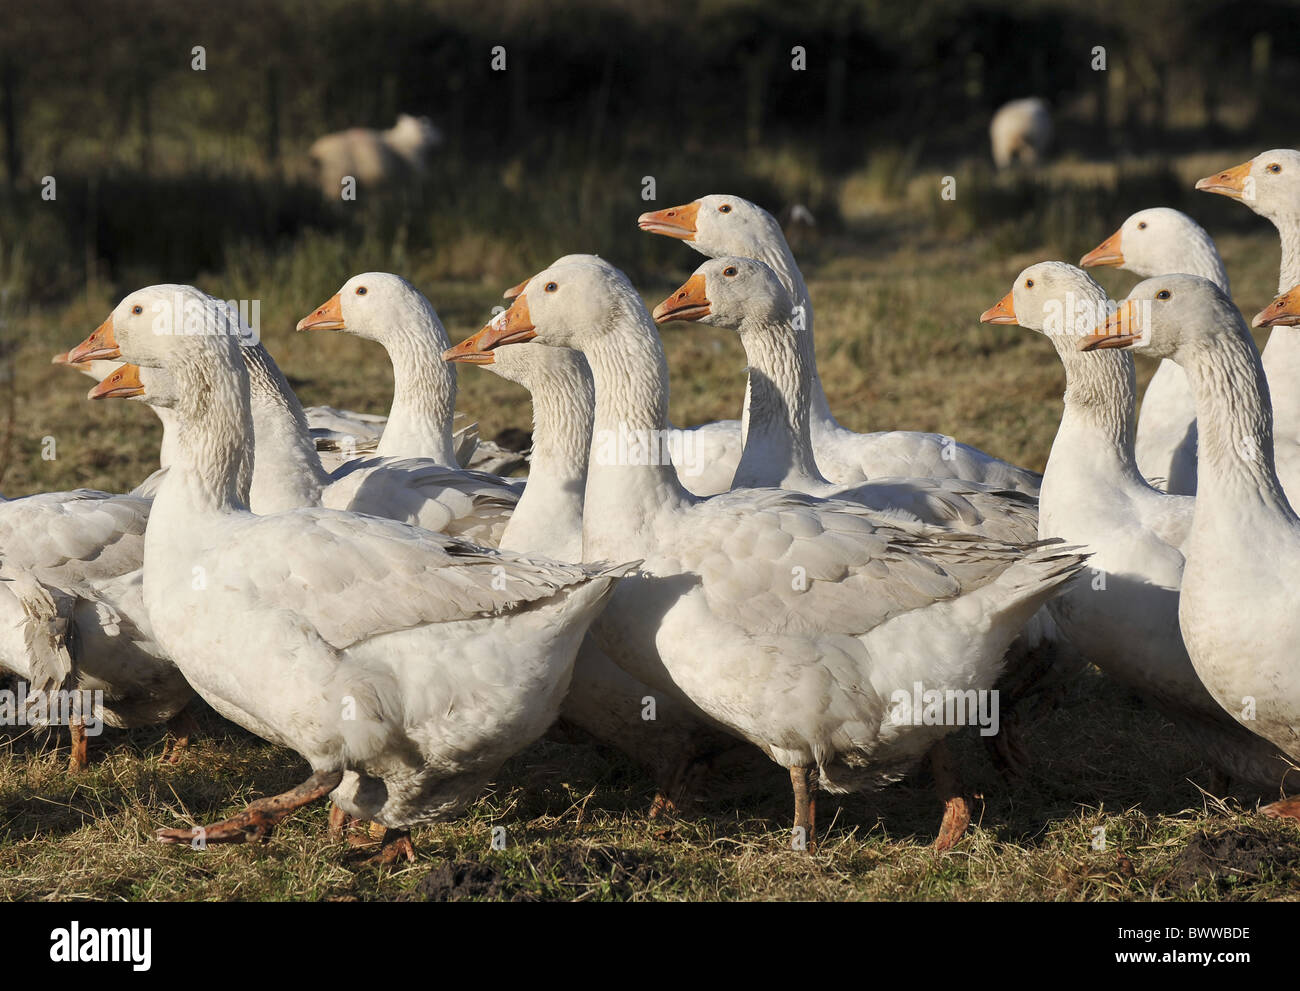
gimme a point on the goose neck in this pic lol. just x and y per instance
(778, 442)
(214, 434)
(1235, 421)
(630, 478)
(1094, 442)
(287, 471)
(548, 517)
(776, 254)
(424, 390)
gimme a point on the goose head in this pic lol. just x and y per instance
(1269, 183)
(595, 260)
(369, 305)
(717, 224)
(728, 292)
(161, 325)
(1151, 242)
(1166, 317)
(1053, 298)
(1282, 312)
(570, 305)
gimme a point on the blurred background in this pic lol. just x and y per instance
(168, 172)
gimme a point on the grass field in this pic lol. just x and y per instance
(898, 285)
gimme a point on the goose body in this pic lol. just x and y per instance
(1234, 609)
(718, 225)
(405, 666)
(790, 620)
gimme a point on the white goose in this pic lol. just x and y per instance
(1237, 607)
(718, 225)
(1270, 185)
(405, 666)
(1124, 618)
(1153, 242)
(603, 700)
(792, 621)
(385, 308)
(288, 474)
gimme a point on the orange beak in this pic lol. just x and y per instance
(512, 327)
(471, 350)
(516, 289)
(60, 359)
(1282, 312)
(100, 344)
(676, 221)
(327, 316)
(688, 303)
(1231, 182)
(1106, 253)
(1118, 331)
(122, 384)
(1003, 311)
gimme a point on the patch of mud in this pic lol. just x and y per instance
(1232, 862)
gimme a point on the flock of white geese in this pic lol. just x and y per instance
(406, 624)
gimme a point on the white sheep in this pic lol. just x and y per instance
(376, 159)
(1021, 131)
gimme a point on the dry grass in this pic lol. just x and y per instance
(898, 297)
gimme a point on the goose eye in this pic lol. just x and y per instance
(729, 271)
(1029, 283)
(137, 309)
(1142, 225)
(361, 290)
(1163, 294)
(551, 287)
(1275, 168)
(725, 208)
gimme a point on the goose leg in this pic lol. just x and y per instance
(258, 820)
(956, 807)
(181, 728)
(338, 823)
(1288, 808)
(79, 759)
(804, 784)
(396, 845)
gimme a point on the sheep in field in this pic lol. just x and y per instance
(376, 159)
(1021, 131)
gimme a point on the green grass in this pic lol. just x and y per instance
(898, 288)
